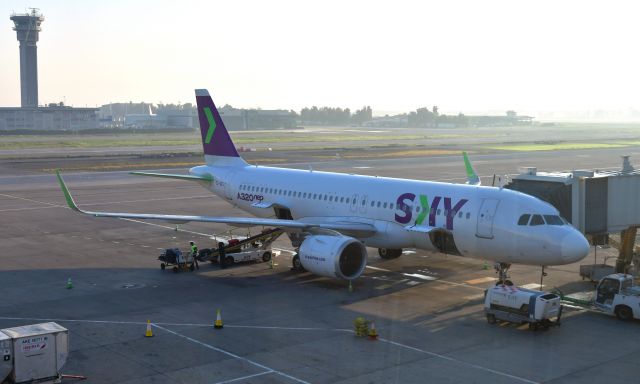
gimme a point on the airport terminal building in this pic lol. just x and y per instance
(50, 118)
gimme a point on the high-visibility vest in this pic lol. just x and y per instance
(194, 249)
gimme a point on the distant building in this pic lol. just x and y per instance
(509, 119)
(146, 115)
(52, 117)
(247, 119)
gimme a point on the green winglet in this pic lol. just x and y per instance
(472, 178)
(67, 195)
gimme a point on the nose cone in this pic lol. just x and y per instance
(574, 247)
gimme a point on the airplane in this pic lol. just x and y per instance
(332, 217)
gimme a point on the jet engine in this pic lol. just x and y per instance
(333, 256)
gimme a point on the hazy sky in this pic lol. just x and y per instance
(393, 55)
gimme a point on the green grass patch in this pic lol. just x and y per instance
(555, 147)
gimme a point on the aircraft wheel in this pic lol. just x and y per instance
(266, 256)
(297, 264)
(228, 261)
(491, 318)
(162, 266)
(388, 254)
(175, 269)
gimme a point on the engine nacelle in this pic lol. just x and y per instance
(333, 256)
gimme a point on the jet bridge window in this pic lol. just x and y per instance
(524, 219)
(537, 220)
(553, 220)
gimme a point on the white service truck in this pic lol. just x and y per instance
(616, 295)
(520, 305)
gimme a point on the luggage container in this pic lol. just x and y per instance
(519, 305)
(39, 352)
(6, 360)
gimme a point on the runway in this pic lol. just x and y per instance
(281, 326)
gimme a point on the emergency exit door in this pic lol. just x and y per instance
(486, 215)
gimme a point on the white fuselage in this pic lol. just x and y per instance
(481, 221)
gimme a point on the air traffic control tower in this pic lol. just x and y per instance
(27, 27)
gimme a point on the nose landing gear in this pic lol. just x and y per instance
(502, 270)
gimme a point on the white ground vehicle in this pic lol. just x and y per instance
(616, 295)
(513, 304)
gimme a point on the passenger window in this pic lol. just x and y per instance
(342, 199)
(363, 202)
(468, 215)
(553, 220)
(524, 219)
(325, 197)
(418, 209)
(379, 204)
(304, 195)
(391, 205)
(536, 220)
(384, 205)
(438, 212)
(373, 203)
(460, 215)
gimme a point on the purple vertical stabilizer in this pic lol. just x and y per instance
(215, 138)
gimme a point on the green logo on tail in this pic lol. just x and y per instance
(212, 124)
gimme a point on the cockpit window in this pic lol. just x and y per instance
(524, 219)
(536, 220)
(553, 220)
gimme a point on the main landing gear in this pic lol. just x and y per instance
(388, 254)
(502, 270)
(296, 264)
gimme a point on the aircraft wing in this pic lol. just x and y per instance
(358, 229)
(208, 178)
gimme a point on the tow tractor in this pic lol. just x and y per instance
(178, 261)
(252, 248)
(519, 305)
(615, 295)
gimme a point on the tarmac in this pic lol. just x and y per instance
(282, 326)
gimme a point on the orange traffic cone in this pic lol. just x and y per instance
(373, 334)
(218, 322)
(149, 333)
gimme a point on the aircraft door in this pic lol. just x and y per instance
(486, 215)
(354, 203)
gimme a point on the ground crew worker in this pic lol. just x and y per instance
(194, 253)
(221, 255)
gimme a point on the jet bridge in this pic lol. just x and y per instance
(596, 202)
